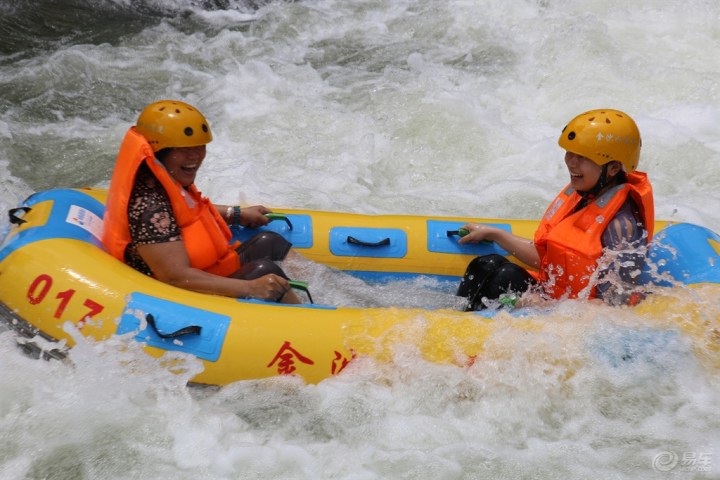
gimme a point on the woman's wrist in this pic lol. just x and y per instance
(233, 215)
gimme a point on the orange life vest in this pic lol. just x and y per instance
(570, 244)
(205, 235)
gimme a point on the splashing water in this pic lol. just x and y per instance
(410, 106)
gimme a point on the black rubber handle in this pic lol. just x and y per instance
(14, 219)
(382, 243)
(189, 330)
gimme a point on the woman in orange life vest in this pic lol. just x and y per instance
(157, 221)
(592, 240)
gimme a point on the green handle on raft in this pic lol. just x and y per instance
(279, 216)
(300, 285)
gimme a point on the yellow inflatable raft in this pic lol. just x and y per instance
(53, 270)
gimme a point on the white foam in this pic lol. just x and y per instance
(451, 108)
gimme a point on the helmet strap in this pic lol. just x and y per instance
(601, 183)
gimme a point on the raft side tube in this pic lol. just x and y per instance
(688, 253)
(71, 214)
(300, 235)
(438, 239)
(205, 341)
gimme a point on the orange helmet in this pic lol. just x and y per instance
(603, 136)
(171, 123)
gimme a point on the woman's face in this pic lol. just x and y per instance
(584, 173)
(183, 163)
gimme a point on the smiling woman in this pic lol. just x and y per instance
(607, 206)
(182, 163)
(586, 174)
(157, 221)
(422, 107)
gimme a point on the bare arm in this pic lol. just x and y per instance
(519, 247)
(170, 264)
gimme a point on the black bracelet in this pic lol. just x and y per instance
(235, 219)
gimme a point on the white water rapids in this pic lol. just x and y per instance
(446, 107)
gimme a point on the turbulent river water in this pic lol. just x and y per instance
(446, 107)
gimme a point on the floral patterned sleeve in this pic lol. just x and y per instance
(150, 218)
(150, 214)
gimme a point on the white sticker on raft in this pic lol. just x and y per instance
(86, 220)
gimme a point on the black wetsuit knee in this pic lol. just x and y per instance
(259, 254)
(478, 271)
(257, 269)
(508, 278)
(491, 276)
(264, 246)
